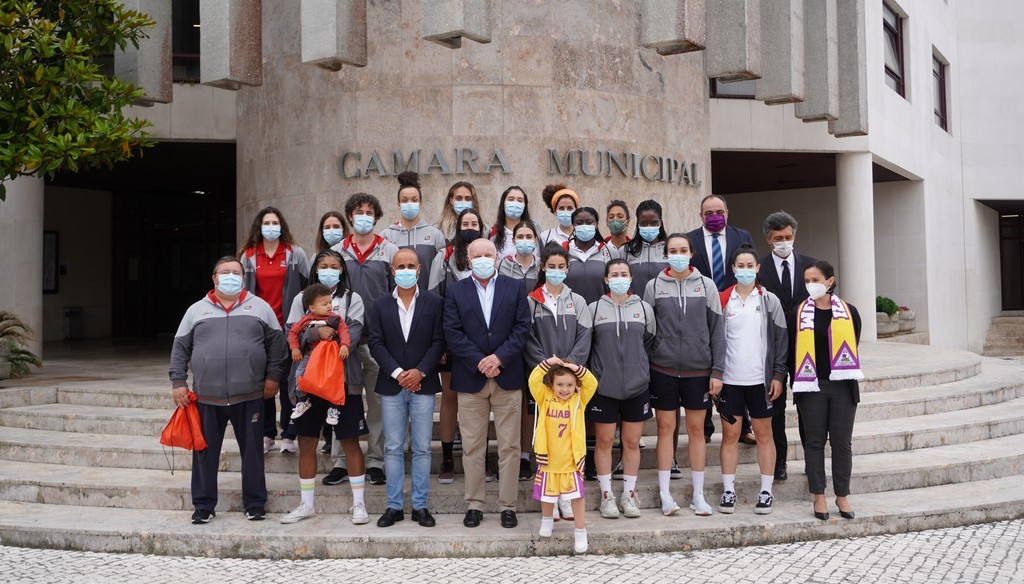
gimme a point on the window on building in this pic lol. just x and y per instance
(185, 40)
(939, 89)
(735, 90)
(892, 24)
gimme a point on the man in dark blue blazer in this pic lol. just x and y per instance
(782, 274)
(407, 341)
(487, 322)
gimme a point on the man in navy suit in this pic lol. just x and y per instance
(487, 322)
(782, 274)
(407, 340)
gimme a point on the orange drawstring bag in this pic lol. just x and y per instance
(184, 430)
(325, 374)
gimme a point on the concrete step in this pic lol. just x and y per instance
(158, 489)
(333, 536)
(922, 431)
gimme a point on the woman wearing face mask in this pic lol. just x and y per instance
(824, 340)
(275, 269)
(411, 231)
(617, 218)
(513, 209)
(688, 363)
(623, 336)
(522, 265)
(646, 251)
(461, 196)
(561, 326)
(367, 259)
(329, 270)
(588, 255)
(756, 349)
(450, 266)
(331, 230)
(562, 202)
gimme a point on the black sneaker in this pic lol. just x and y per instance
(764, 503)
(674, 472)
(326, 448)
(202, 516)
(617, 471)
(337, 476)
(525, 472)
(376, 476)
(457, 440)
(256, 514)
(728, 502)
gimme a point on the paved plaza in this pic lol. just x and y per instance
(983, 553)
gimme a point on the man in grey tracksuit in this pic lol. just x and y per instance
(234, 345)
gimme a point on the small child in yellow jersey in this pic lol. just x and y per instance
(561, 390)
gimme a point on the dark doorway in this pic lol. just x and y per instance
(173, 216)
(1011, 255)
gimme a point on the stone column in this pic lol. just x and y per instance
(21, 263)
(856, 270)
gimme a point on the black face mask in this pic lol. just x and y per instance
(469, 235)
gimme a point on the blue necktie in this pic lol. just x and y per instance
(718, 266)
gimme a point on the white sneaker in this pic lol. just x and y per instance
(630, 505)
(565, 508)
(301, 408)
(643, 444)
(303, 511)
(546, 525)
(609, 510)
(359, 516)
(268, 445)
(332, 416)
(580, 535)
(700, 506)
(668, 506)
(288, 445)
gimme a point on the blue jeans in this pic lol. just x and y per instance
(396, 411)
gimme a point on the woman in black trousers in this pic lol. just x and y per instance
(824, 344)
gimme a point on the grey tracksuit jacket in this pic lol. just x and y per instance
(294, 279)
(371, 278)
(508, 266)
(566, 333)
(645, 266)
(691, 331)
(586, 277)
(424, 239)
(623, 341)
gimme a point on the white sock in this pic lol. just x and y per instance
(664, 476)
(698, 484)
(524, 456)
(606, 483)
(306, 489)
(729, 482)
(766, 482)
(580, 531)
(357, 488)
(628, 483)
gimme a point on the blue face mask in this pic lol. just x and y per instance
(333, 236)
(679, 262)
(271, 232)
(619, 285)
(328, 276)
(746, 276)
(555, 277)
(564, 218)
(406, 278)
(650, 233)
(483, 268)
(586, 232)
(514, 209)
(229, 284)
(410, 210)
(461, 206)
(525, 246)
(363, 224)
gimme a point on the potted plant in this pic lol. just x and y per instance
(907, 320)
(886, 316)
(14, 358)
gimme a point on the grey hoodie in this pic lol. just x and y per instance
(624, 339)
(566, 333)
(691, 331)
(424, 239)
(646, 265)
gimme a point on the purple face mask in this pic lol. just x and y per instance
(715, 223)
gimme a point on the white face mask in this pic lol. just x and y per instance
(783, 248)
(816, 290)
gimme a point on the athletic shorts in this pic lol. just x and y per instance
(670, 393)
(734, 399)
(608, 410)
(351, 422)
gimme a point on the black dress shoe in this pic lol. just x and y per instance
(376, 476)
(473, 518)
(822, 516)
(780, 472)
(847, 514)
(390, 516)
(508, 519)
(423, 517)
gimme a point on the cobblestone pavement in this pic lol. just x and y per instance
(976, 554)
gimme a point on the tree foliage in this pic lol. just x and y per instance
(57, 109)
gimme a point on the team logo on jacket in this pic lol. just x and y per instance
(426, 238)
(248, 307)
(601, 318)
(697, 289)
(569, 306)
(256, 418)
(637, 315)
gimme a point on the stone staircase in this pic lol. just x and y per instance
(1006, 335)
(939, 441)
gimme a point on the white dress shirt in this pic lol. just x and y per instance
(405, 318)
(486, 295)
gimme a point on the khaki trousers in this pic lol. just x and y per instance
(474, 410)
